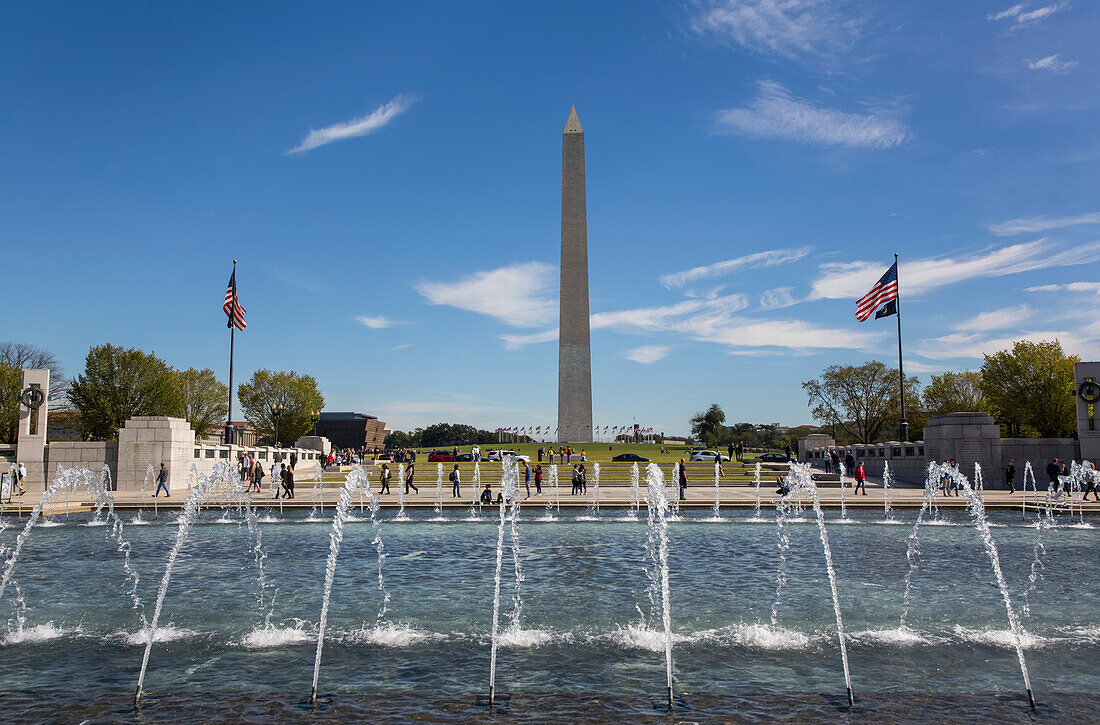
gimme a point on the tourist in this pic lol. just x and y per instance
(781, 486)
(834, 456)
(293, 460)
(538, 479)
(1010, 476)
(1053, 470)
(455, 493)
(257, 477)
(787, 450)
(849, 464)
(384, 478)
(1066, 478)
(288, 479)
(454, 453)
(540, 455)
(21, 475)
(683, 479)
(576, 482)
(1090, 481)
(861, 479)
(527, 479)
(583, 457)
(476, 451)
(409, 480)
(582, 478)
(729, 449)
(487, 495)
(162, 482)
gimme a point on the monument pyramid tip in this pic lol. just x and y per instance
(573, 123)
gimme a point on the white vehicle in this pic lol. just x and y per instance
(707, 456)
(498, 455)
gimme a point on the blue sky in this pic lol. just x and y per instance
(389, 178)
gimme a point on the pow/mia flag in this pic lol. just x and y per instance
(890, 308)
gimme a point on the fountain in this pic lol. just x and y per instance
(475, 481)
(557, 492)
(401, 516)
(717, 490)
(380, 551)
(756, 506)
(1029, 472)
(843, 487)
(439, 491)
(593, 508)
(635, 494)
(887, 479)
(354, 480)
(800, 478)
(190, 511)
(509, 511)
(317, 495)
(657, 549)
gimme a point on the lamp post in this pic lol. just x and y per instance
(313, 418)
(276, 411)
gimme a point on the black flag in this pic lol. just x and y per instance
(890, 308)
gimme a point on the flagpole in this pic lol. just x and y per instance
(232, 329)
(903, 424)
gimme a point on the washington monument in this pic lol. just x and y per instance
(574, 340)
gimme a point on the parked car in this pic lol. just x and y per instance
(464, 458)
(630, 457)
(704, 455)
(772, 458)
(384, 458)
(440, 457)
(498, 455)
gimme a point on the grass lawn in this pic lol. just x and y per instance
(595, 452)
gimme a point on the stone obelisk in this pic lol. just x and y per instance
(574, 342)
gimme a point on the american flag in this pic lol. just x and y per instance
(885, 289)
(232, 306)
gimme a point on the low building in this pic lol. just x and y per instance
(350, 430)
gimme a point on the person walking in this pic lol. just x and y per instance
(787, 450)
(731, 451)
(527, 479)
(384, 479)
(849, 463)
(409, 479)
(21, 475)
(1091, 485)
(288, 480)
(538, 479)
(576, 482)
(1010, 476)
(582, 478)
(540, 455)
(258, 477)
(1053, 470)
(293, 460)
(162, 482)
(455, 492)
(835, 458)
(861, 479)
(683, 479)
(1066, 479)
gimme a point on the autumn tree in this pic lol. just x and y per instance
(298, 394)
(862, 400)
(955, 392)
(205, 400)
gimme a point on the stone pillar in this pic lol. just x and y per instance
(149, 441)
(1085, 374)
(813, 441)
(969, 438)
(574, 337)
(30, 446)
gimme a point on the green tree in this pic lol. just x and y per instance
(1030, 388)
(11, 380)
(298, 394)
(955, 392)
(862, 400)
(205, 403)
(709, 426)
(118, 384)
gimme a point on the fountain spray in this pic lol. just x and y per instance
(509, 509)
(658, 536)
(354, 480)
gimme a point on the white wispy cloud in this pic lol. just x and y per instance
(378, 322)
(647, 354)
(362, 126)
(1021, 16)
(851, 280)
(1002, 319)
(1050, 63)
(519, 295)
(1081, 287)
(975, 345)
(775, 113)
(395, 348)
(768, 258)
(778, 298)
(785, 28)
(1041, 224)
(515, 342)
